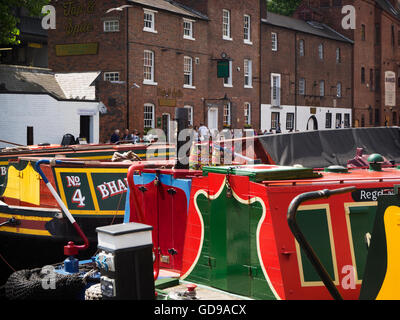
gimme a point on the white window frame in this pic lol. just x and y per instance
(301, 47)
(338, 55)
(322, 88)
(289, 121)
(190, 115)
(146, 80)
(302, 86)
(248, 73)
(111, 25)
(227, 114)
(188, 71)
(226, 24)
(152, 14)
(111, 76)
(247, 113)
(276, 93)
(321, 51)
(228, 82)
(247, 29)
(339, 90)
(190, 23)
(274, 41)
(151, 122)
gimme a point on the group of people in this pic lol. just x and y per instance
(134, 137)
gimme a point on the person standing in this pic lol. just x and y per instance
(115, 136)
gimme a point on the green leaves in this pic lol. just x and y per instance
(9, 31)
(283, 7)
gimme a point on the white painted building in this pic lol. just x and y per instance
(308, 118)
(36, 109)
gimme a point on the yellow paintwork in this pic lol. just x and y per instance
(391, 283)
(23, 185)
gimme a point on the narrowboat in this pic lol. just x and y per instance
(248, 229)
(33, 226)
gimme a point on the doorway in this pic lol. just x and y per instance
(85, 128)
(312, 123)
(213, 119)
(165, 125)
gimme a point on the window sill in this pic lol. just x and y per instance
(150, 83)
(186, 86)
(227, 38)
(189, 38)
(248, 87)
(150, 30)
(228, 85)
(248, 42)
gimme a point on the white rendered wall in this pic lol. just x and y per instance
(50, 118)
(303, 115)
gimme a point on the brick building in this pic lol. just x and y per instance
(212, 57)
(168, 57)
(307, 69)
(376, 54)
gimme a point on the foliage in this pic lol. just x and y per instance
(9, 31)
(283, 7)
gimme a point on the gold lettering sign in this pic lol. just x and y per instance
(73, 9)
(162, 102)
(76, 49)
(173, 93)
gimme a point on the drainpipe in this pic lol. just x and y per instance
(295, 81)
(127, 67)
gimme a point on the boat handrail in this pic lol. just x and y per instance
(294, 227)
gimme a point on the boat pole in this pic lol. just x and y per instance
(70, 249)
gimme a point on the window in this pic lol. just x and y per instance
(347, 120)
(149, 21)
(339, 90)
(328, 120)
(371, 79)
(301, 48)
(322, 88)
(274, 119)
(248, 82)
(392, 36)
(188, 72)
(111, 76)
(247, 113)
(398, 38)
(274, 39)
(188, 29)
(338, 120)
(363, 32)
(275, 89)
(338, 55)
(247, 29)
(190, 115)
(377, 33)
(148, 67)
(149, 115)
(362, 75)
(227, 114)
(228, 80)
(290, 121)
(302, 86)
(111, 26)
(226, 24)
(321, 51)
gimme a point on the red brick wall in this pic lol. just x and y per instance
(110, 57)
(309, 67)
